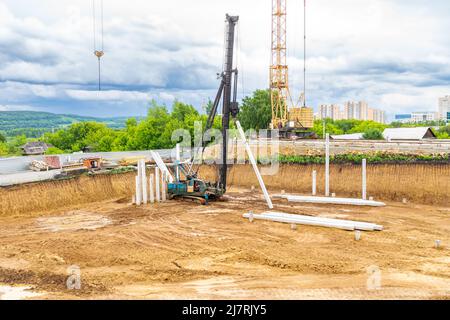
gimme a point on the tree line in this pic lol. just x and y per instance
(155, 130)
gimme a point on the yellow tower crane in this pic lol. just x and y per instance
(291, 119)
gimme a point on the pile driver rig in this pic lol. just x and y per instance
(192, 187)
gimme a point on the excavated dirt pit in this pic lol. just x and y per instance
(184, 250)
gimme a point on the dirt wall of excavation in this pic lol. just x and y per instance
(44, 196)
(419, 183)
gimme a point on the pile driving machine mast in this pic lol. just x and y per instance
(194, 187)
(228, 94)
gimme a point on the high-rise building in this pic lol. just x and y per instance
(376, 115)
(444, 107)
(352, 110)
(332, 111)
(362, 110)
(424, 116)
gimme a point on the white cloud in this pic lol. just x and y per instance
(394, 54)
(108, 95)
(16, 107)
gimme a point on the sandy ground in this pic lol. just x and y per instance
(184, 250)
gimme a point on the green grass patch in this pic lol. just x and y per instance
(379, 158)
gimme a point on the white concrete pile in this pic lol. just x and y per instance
(152, 189)
(255, 165)
(326, 200)
(314, 221)
(162, 166)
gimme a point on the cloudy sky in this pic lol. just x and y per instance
(395, 54)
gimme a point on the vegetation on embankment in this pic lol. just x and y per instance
(374, 158)
(419, 183)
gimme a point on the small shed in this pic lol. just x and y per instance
(92, 163)
(35, 148)
(352, 136)
(418, 133)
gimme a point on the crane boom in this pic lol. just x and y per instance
(291, 119)
(279, 81)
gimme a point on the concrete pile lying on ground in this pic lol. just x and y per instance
(314, 221)
(331, 200)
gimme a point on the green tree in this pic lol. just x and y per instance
(4, 149)
(364, 126)
(208, 107)
(131, 123)
(373, 134)
(82, 135)
(14, 147)
(151, 132)
(2, 138)
(331, 128)
(347, 125)
(180, 111)
(256, 111)
(53, 150)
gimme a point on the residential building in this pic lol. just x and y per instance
(376, 115)
(362, 110)
(352, 110)
(356, 110)
(403, 118)
(417, 117)
(444, 107)
(424, 116)
(332, 111)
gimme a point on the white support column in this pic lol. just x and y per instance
(178, 159)
(152, 188)
(364, 179)
(164, 187)
(314, 183)
(138, 191)
(157, 185)
(144, 183)
(254, 164)
(327, 165)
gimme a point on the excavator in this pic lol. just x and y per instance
(192, 187)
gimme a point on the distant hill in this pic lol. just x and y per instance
(34, 124)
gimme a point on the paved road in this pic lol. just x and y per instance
(21, 164)
(16, 170)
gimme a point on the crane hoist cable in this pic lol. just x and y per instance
(98, 52)
(304, 53)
